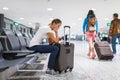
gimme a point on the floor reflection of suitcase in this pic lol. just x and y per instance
(65, 59)
(103, 50)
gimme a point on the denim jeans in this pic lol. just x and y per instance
(47, 49)
(114, 37)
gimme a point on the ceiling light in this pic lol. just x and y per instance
(21, 18)
(5, 8)
(49, 9)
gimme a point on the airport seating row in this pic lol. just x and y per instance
(13, 49)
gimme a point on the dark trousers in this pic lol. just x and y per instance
(47, 49)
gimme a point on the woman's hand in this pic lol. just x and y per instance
(110, 37)
(50, 41)
(96, 35)
(84, 32)
(60, 38)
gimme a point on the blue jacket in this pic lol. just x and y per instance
(85, 25)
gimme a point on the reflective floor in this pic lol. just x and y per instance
(84, 68)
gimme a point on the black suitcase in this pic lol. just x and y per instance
(65, 58)
(103, 50)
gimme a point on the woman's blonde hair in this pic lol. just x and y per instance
(56, 21)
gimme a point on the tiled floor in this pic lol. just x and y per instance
(88, 69)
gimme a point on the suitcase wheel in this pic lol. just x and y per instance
(60, 72)
(65, 71)
(70, 69)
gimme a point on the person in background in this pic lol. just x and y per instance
(90, 28)
(114, 31)
(37, 25)
(52, 33)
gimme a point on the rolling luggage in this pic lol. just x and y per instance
(65, 58)
(103, 50)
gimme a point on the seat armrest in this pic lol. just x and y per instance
(19, 51)
(5, 38)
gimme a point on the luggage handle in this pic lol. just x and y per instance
(65, 41)
(67, 27)
(97, 39)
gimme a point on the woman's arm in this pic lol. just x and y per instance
(84, 25)
(96, 26)
(53, 39)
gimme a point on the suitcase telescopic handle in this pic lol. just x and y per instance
(66, 26)
(65, 41)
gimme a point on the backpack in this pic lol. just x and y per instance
(91, 24)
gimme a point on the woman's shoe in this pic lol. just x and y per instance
(88, 54)
(52, 72)
(93, 56)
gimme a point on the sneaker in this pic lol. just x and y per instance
(52, 72)
(88, 54)
(93, 56)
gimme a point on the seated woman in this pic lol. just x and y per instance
(52, 33)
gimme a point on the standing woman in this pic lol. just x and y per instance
(90, 28)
